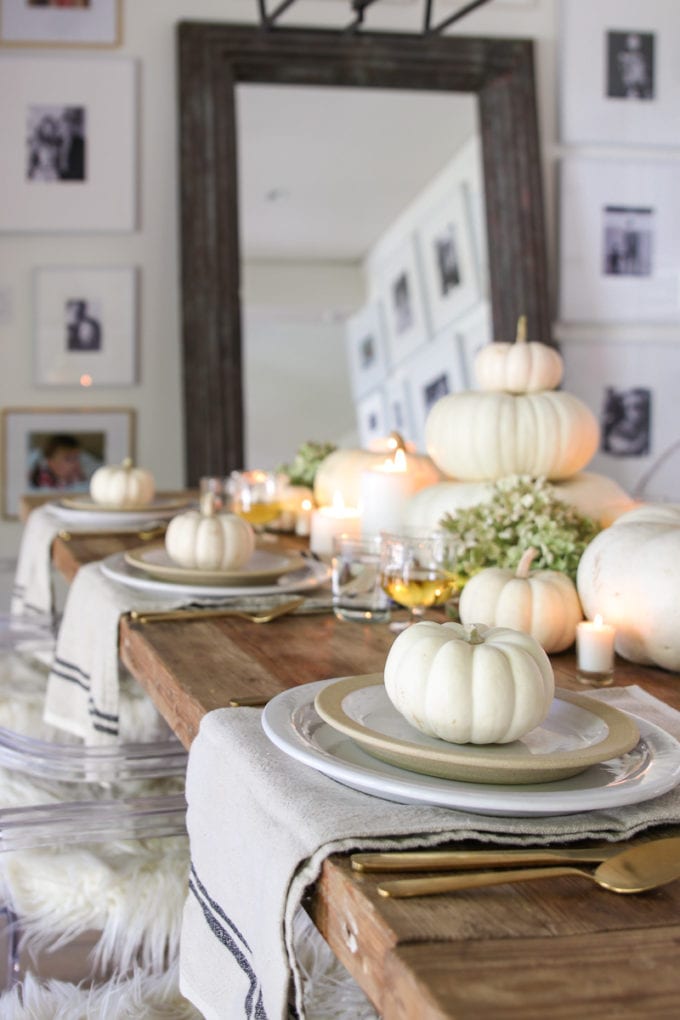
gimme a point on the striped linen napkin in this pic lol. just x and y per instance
(32, 593)
(261, 824)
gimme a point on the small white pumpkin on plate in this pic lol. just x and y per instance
(543, 603)
(205, 540)
(469, 685)
(122, 485)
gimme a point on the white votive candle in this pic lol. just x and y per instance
(303, 518)
(384, 491)
(595, 646)
(329, 521)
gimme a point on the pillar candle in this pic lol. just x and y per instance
(303, 518)
(595, 646)
(384, 491)
(329, 521)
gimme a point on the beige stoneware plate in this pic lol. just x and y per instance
(262, 567)
(578, 732)
(156, 505)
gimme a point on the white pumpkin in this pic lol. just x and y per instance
(469, 685)
(630, 575)
(122, 485)
(522, 367)
(476, 436)
(543, 603)
(205, 540)
(341, 472)
(593, 495)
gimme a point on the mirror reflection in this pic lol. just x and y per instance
(363, 266)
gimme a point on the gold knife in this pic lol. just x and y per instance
(473, 860)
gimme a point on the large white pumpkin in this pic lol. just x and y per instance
(122, 485)
(630, 575)
(467, 685)
(480, 436)
(204, 540)
(341, 472)
(593, 495)
(543, 603)
(521, 367)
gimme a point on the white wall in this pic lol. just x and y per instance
(149, 39)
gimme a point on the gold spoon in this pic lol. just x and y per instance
(473, 860)
(635, 870)
(146, 534)
(171, 615)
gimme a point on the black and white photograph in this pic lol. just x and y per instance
(626, 421)
(434, 373)
(69, 158)
(371, 418)
(399, 412)
(85, 326)
(628, 240)
(447, 259)
(401, 304)
(619, 240)
(445, 243)
(398, 285)
(56, 143)
(618, 73)
(366, 354)
(435, 389)
(630, 65)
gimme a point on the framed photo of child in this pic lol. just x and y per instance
(56, 451)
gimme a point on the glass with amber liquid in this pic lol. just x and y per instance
(256, 496)
(417, 571)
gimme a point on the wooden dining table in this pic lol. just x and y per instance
(557, 948)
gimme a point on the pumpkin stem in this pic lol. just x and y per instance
(474, 637)
(396, 441)
(523, 566)
(521, 336)
(127, 463)
(208, 504)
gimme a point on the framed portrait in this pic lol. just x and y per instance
(473, 331)
(445, 244)
(619, 81)
(435, 372)
(371, 418)
(619, 241)
(366, 355)
(398, 401)
(399, 286)
(54, 450)
(68, 158)
(60, 22)
(85, 326)
(632, 389)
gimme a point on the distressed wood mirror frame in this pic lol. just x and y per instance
(213, 59)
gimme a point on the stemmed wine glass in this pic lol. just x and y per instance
(417, 571)
(256, 496)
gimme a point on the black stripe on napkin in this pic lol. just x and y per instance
(72, 667)
(220, 932)
(71, 679)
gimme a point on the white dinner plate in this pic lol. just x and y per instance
(306, 579)
(292, 723)
(578, 732)
(263, 567)
(161, 509)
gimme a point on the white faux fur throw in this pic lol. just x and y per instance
(140, 997)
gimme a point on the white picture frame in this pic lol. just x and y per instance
(101, 435)
(446, 249)
(399, 411)
(473, 331)
(619, 80)
(632, 389)
(366, 349)
(619, 241)
(371, 414)
(97, 24)
(68, 158)
(85, 326)
(400, 289)
(435, 372)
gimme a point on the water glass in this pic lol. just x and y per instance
(357, 592)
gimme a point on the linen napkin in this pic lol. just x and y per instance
(261, 824)
(32, 593)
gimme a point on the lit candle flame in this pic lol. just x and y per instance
(85, 380)
(306, 505)
(598, 621)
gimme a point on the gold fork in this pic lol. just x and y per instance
(171, 615)
(145, 534)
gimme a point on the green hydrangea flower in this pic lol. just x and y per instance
(303, 467)
(523, 512)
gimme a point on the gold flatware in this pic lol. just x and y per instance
(473, 860)
(172, 615)
(254, 702)
(145, 534)
(642, 867)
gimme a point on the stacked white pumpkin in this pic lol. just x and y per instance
(517, 423)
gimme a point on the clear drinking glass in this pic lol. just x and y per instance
(418, 571)
(256, 495)
(357, 592)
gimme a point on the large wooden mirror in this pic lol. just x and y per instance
(213, 60)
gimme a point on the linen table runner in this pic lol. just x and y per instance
(261, 824)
